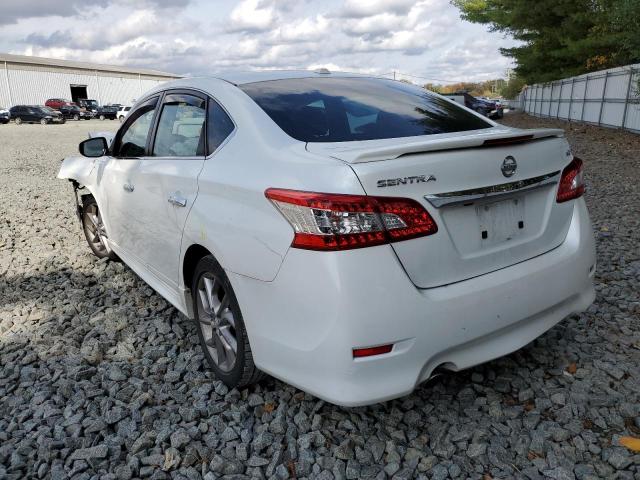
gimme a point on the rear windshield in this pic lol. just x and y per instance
(348, 109)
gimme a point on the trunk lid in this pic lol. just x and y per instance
(486, 220)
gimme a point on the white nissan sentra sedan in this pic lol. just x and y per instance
(349, 235)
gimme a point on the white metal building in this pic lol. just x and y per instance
(32, 80)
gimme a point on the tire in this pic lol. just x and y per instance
(76, 117)
(18, 121)
(121, 118)
(63, 121)
(219, 323)
(101, 117)
(43, 121)
(94, 230)
(481, 111)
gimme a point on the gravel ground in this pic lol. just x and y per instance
(101, 378)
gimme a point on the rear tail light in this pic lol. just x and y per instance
(571, 182)
(323, 221)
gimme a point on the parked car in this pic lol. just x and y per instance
(35, 114)
(57, 117)
(349, 235)
(107, 112)
(122, 113)
(89, 105)
(4, 115)
(74, 112)
(483, 107)
(56, 103)
(497, 101)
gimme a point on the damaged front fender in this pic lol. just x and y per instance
(79, 172)
(77, 168)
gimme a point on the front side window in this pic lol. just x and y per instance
(132, 139)
(180, 131)
(343, 109)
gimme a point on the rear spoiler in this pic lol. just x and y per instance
(360, 152)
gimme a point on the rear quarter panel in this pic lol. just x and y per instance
(234, 220)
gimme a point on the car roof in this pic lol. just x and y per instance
(241, 78)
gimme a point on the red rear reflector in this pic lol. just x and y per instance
(327, 221)
(371, 351)
(571, 182)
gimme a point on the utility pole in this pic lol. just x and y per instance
(394, 74)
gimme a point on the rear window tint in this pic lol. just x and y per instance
(348, 109)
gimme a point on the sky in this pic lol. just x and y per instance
(415, 38)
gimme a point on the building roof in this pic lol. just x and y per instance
(30, 60)
(240, 78)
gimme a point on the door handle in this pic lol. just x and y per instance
(127, 187)
(177, 200)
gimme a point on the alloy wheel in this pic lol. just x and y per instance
(217, 322)
(94, 229)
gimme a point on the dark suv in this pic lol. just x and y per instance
(483, 107)
(89, 105)
(107, 111)
(35, 114)
(4, 115)
(73, 112)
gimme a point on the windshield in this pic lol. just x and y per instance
(347, 109)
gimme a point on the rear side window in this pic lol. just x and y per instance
(219, 126)
(351, 109)
(180, 131)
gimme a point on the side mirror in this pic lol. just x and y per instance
(94, 147)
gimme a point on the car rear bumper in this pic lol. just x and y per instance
(303, 325)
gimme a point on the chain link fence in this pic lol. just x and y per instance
(608, 98)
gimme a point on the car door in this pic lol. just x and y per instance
(118, 198)
(29, 115)
(166, 183)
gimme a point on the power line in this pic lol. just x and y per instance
(428, 78)
(398, 73)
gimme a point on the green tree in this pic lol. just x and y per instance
(562, 38)
(512, 88)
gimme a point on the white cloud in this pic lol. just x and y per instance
(307, 29)
(368, 8)
(418, 37)
(252, 16)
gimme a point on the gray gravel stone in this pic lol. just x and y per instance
(102, 379)
(476, 449)
(179, 439)
(99, 451)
